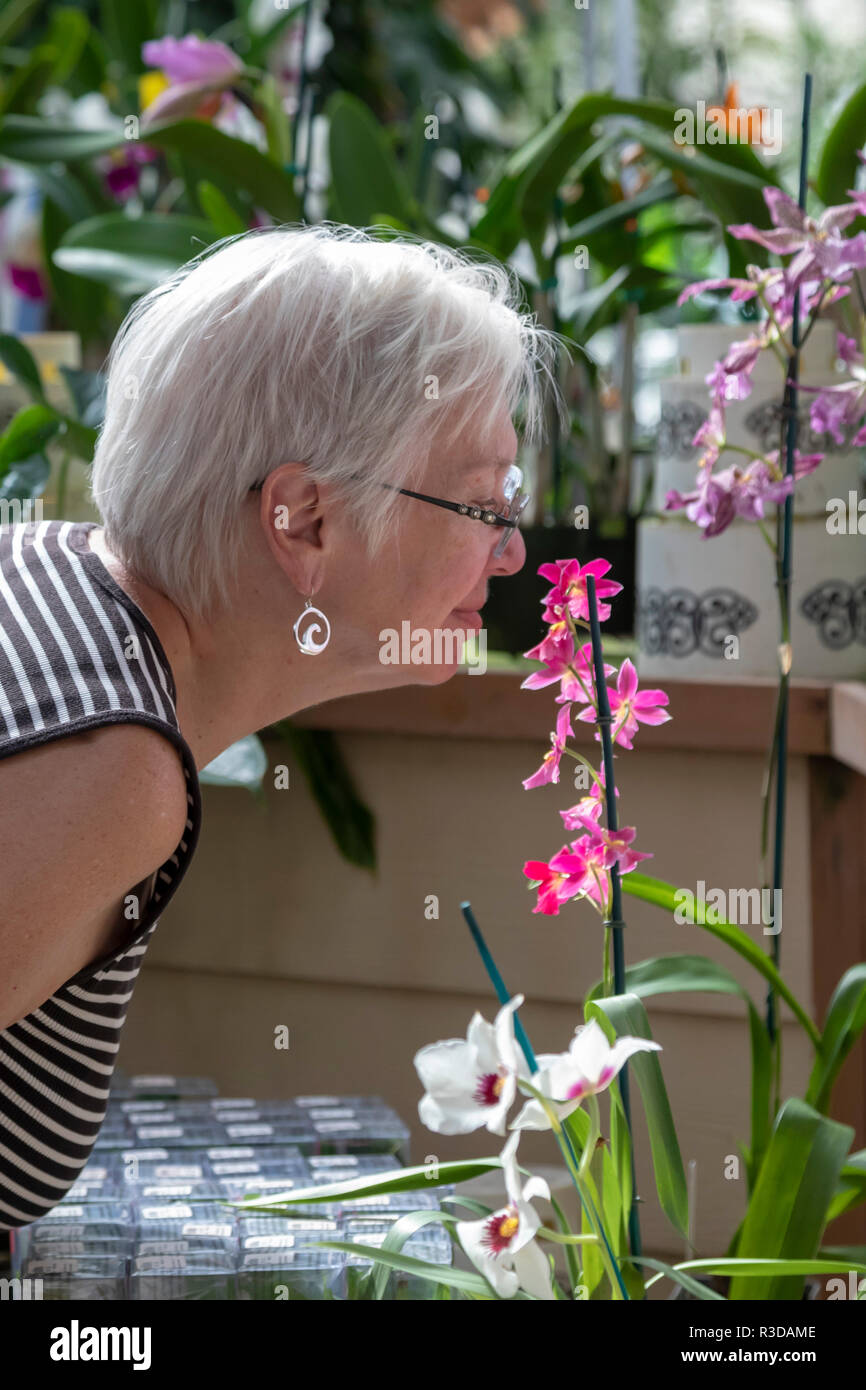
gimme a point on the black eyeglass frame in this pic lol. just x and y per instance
(489, 518)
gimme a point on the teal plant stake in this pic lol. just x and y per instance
(615, 924)
(785, 547)
(503, 996)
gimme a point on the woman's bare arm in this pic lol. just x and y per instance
(83, 819)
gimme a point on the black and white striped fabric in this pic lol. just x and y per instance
(75, 654)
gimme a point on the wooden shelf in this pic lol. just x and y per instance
(713, 716)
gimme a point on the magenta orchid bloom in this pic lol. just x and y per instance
(819, 250)
(720, 497)
(191, 59)
(549, 770)
(199, 72)
(557, 881)
(837, 409)
(569, 591)
(582, 869)
(630, 706)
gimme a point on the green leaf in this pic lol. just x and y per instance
(132, 255)
(660, 192)
(788, 1209)
(27, 432)
(27, 479)
(350, 821)
(231, 163)
(87, 390)
(851, 1188)
(18, 359)
(365, 178)
(21, 91)
(846, 1019)
(35, 141)
(678, 974)
(372, 1185)
(126, 27)
(664, 895)
(677, 1273)
(219, 210)
(244, 764)
(79, 303)
(438, 1274)
(14, 15)
(624, 1015)
(759, 1268)
(837, 169)
(404, 1227)
(521, 202)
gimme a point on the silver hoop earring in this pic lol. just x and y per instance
(318, 624)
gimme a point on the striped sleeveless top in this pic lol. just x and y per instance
(75, 654)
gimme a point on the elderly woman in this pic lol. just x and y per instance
(308, 440)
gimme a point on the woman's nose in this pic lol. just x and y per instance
(512, 558)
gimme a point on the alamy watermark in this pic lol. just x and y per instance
(723, 125)
(741, 907)
(437, 647)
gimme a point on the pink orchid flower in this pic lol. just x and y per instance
(589, 807)
(569, 591)
(819, 249)
(582, 869)
(549, 770)
(557, 881)
(629, 706)
(199, 72)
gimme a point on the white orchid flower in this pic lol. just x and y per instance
(472, 1082)
(567, 1078)
(503, 1246)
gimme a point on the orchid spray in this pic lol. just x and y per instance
(588, 865)
(819, 268)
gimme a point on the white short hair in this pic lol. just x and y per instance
(325, 344)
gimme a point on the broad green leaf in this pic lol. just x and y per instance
(372, 1185)
(18, 359)
(26, 84)
(366, 180)
(438, 1274)
(660, 192)
(531, 176)
(14, 15)
(219, 210)
(230, 163)
(27, 433)
(664, 895)
(624, 1015)
(788, 1208)
(846, 1019)
(838, 166)
(679, 974)
(132, 255)
(33, 140)
(27, 479)
(87, 390)
(679, 1276)
(126, 27)
(80, 303)
(404, 1227)
(244, 764)
(851, 1188)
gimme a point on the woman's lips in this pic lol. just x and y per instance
(469, 618)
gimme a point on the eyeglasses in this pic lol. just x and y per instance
(516, 502)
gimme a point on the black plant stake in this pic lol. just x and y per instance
(785, 538)
(615, 923)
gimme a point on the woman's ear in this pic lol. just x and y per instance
(291, 516)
